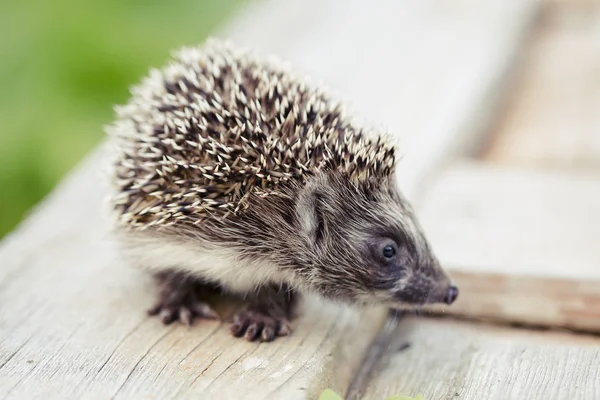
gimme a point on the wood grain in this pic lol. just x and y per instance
(450, 360)
(523, 245)
(72, 322)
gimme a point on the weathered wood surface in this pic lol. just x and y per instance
(72, 321)
(552, 119)
(450, 360)
(523, 245)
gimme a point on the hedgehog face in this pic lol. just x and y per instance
(366, 245)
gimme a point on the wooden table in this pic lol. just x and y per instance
(72, 322)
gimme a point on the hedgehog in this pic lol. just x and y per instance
(233, 174)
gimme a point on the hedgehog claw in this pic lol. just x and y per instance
(185, 316)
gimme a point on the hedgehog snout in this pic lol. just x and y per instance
(451, 294)
(446, 292)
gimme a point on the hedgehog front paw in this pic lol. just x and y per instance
(178, 301)
(253, 323)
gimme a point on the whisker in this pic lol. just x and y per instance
(418, 311)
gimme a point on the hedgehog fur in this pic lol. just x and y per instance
(220, 124)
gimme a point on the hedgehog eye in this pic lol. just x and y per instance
(389, 251)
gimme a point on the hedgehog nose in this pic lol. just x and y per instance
(451, 294)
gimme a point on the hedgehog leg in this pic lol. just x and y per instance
(178, 299)
(266, 317)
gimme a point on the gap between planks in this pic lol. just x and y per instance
(454, 360)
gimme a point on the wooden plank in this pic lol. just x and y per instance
(552, 118)
(523, 245)
(72, 321)
(553, 4)
(452, 360)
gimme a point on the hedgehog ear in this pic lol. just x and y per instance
(310, 213)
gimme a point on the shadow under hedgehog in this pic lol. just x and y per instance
(231, 172)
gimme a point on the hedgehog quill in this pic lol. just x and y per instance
(232, 173)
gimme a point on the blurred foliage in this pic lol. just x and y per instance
(63, 64)
(329, 394)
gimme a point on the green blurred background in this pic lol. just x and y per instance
(63, 64)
